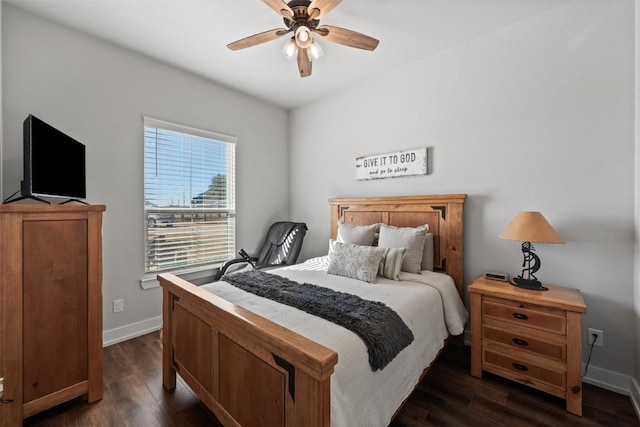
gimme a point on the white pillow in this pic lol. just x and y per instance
(427, 253)
(391, 263)
(405, 237)
(356, 234)
(356, 261)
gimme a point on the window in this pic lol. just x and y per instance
(189, 196)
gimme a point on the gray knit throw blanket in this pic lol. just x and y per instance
(381, 329)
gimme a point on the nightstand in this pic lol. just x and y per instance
(532, 337)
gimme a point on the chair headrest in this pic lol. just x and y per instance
(279, 231)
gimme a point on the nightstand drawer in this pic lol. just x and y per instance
(525, 315)
(525, 371)
(513, 337)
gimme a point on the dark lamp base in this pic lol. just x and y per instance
(533, 285)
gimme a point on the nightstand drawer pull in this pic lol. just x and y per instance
(519, 341)
(520, 316)
(520, 367)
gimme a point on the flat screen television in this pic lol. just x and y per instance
(54, 163)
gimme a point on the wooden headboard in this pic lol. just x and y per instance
(443, 213)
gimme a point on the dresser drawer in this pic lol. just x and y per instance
(525, 371)
(513, 337)
(526, 315)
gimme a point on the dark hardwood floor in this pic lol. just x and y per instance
(448, 396)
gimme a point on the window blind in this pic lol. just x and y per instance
(189, 190)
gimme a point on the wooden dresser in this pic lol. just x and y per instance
(532, 337)
(50, 306)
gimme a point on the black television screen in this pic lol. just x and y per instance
(54, 163)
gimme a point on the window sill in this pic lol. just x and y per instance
(189, 274)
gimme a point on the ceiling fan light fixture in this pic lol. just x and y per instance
(315, 51)
(303, 37)
(290, 49)
(302, 18)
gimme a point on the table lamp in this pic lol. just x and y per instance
(528, 228)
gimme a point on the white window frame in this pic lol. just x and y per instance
(192, 270)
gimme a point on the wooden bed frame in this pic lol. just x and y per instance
(251, 371)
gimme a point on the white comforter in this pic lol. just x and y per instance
(428, 303)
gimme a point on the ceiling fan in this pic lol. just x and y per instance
(302, 18)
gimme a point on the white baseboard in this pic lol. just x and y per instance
(123, 333)
(609, 380)
(635, 396)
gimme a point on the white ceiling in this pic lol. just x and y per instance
(192, 35)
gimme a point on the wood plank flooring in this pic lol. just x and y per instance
(448, 396)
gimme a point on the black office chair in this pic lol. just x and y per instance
(281, 246)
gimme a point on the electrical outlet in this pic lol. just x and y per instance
(599, 337)
(118, 305)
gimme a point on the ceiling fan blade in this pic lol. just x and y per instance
(281, 7)
(322, 6)
(259, 38)
(304, 63)
(346, 37)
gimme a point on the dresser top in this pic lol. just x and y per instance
(557, 296)
(43, 208)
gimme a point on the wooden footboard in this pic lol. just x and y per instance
(247, 370)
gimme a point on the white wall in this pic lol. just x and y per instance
(536, 116)
(635, 385)
(97, 93)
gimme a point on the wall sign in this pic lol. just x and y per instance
(391, 165)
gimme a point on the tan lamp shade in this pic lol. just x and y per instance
(530, 227)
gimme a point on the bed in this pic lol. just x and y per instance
(255, 362)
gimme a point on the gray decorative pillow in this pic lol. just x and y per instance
(427, 253)
(356, 261)
(391, 263)
(356, 234)
(405, 237)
